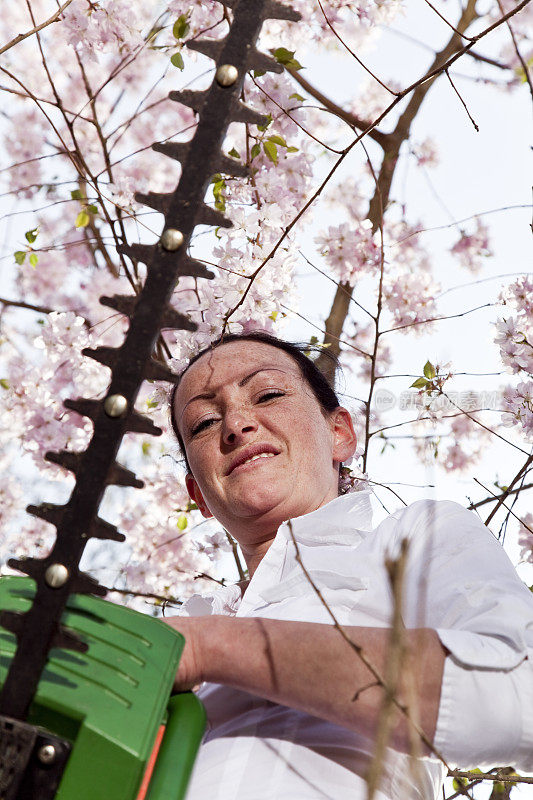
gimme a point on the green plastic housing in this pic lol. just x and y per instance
(111, 701)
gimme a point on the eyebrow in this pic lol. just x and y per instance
(242, 382)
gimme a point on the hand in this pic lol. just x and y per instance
(190, 671)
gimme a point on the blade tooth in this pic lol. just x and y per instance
(120, 476)
(206, 215)
(189, 98)
(138, 252)
(230, 166)
(123, 303)
(242, 113)
(211, 48)
(83, 406)
(258, 60)
(159, 201)
(100, 529)
(190, 266)
(12, 621)
(176, 150)
(34, 567)
(53, 514)
(65, 459)
(48, 511)
(157, 372)
(172, 319)
(138, 423)
(104, 355)
(86, 584)
(274, 10)
(68, 640)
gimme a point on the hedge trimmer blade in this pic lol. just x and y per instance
(58, 575)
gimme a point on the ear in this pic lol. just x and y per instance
(344, 438)
(196, 495)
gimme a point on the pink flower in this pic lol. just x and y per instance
(472, 248)
(350, 250)
(525, 538)
(426, 154)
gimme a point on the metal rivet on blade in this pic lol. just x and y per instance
(115, 405)
(56, 576)
(171, 239)
(226, 75)
(46, 754)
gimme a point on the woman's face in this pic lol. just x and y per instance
(259, 447)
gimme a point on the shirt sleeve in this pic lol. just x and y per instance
(460, 582)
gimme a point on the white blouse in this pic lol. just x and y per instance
(458, 581)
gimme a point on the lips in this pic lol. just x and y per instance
(250, 452)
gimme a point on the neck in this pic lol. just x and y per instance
(254, 553)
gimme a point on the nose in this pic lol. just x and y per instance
(237, 425)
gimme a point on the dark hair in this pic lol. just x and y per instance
(317, 381)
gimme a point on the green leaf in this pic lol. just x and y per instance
(233, 153)
(254, 152)
(271, 151)
(265, 125)
(146, 448)
(182, 522)
(420, 383)
(4, 383)
(20, 256)
(286, 57)
(177, 60)
(277, 140)
(83, 219)
(429, 370)
(34, 259)
(292, 149)
(459, 783)
(180, 27)
(92, 209)
(258, 73)
(191, 506)
(296, 96)
(151, 404)
(31, 235)
(219, 185)
(76, 194)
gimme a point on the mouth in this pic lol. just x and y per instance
(251, 455)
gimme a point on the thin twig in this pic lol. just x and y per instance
(504, 494)
(352, 119)
(394, 666)
(454, 87)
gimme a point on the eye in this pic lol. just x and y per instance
(270, 394)
(202, 425)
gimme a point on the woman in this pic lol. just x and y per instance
(292, 707)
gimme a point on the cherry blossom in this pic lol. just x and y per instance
(93, 27)
(525, 537)
(426, 153)
(350, 250)
(471, 248)
(518, 405)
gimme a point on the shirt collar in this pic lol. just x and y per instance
(335, 522)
